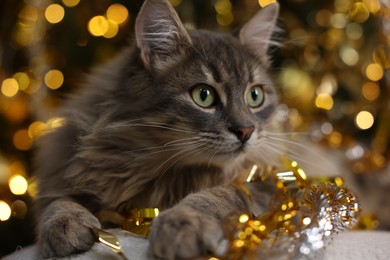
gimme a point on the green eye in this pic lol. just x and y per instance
(255, 96)
(203, 96)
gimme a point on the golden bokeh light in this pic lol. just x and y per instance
(223, 7)
(18, 184)
(225, 19)
(98, 25)
(264, 3)
(243, 218)
(324, 101)
(342, 6)
(364, 120)
(372, 5)
(22, 140)
(16, 109)
(29, 13)
(54, 13)
(359, 12)
(112, 30)
(54, 79)
(37, 129)
(5, 211)
(22, 79)
(117, 13)
(224, 12)
(374, 72)
(323, 17)
(335, 139)
(71, 3)
(9, 87)
(370, 91)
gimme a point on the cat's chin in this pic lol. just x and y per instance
(230, 161)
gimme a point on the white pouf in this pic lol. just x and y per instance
(357, 245)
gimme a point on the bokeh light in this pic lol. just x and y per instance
(112, 30)
(36, 129)
(354, 31)
(372, 5)
(9, 87)
(5, 211)
(117, 13)
(70, 3)
(54, 79)
(54, 13)
(364, 120)
(374, 72)
(224, 15)
(324, 101)
(371, 91)
(28, 13)
(349, 55)
(359, 12)
(18, 184)
(22, 140)
(22, 79)
(98, 25)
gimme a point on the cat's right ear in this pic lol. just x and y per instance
(160, 35)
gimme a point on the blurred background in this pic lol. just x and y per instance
(331, 68)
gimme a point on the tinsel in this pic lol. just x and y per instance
(300, 221)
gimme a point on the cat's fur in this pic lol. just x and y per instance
(135, 138)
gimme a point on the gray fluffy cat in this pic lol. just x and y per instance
(168, 124)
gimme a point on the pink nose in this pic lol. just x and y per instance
(243, 133)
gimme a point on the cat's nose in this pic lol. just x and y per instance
(243, 133)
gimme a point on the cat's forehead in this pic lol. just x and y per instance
(221, 58)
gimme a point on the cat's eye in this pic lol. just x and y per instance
(255, 96)
(203, 95)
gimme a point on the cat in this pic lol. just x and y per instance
(170, 123)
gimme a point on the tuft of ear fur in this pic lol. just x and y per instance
(256, 34)
(160, 35)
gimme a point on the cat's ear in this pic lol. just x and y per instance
(160, 35)
(256, 34)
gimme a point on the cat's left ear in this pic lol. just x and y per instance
(256, 34)
(160, 35)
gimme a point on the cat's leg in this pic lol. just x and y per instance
(193, 227)
(64, 228)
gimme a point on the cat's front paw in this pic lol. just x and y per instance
(65, 229)
(182, 233)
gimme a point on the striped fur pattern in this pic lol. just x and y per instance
(134, 137)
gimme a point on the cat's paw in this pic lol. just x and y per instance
(182, 233)
(65, 229)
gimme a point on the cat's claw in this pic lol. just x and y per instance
(183, 233)
(66, 229)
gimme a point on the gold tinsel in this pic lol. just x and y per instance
(300, 220)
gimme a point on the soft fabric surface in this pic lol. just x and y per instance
(357, 245)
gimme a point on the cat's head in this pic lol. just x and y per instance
(203, 97)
